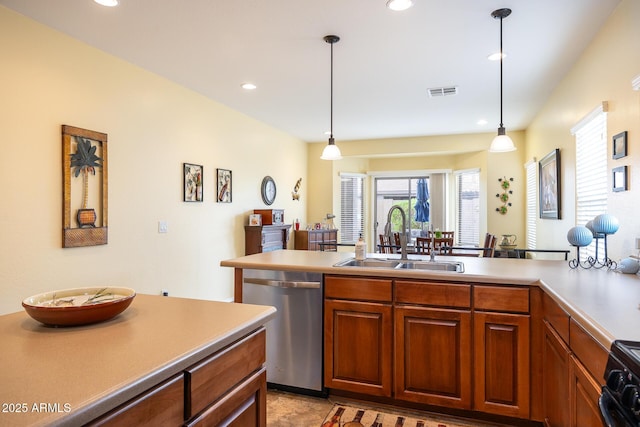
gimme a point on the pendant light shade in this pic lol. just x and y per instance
(331, 151)
(501, 143)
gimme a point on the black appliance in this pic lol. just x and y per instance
(620, 398)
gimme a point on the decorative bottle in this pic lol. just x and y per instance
(361, 249)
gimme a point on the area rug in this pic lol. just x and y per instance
(342, 415)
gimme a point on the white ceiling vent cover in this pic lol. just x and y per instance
(442, 91)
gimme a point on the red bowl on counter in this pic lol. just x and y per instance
(78, 306)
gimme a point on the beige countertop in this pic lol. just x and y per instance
(81, 372)
(607, 303)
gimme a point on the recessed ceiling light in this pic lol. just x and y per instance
(109, 3)
(496, 56)
(249, 86)
(399, 5)
(482, 122)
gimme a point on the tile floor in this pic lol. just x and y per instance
(292, 410)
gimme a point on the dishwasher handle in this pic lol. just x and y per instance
(282, 283)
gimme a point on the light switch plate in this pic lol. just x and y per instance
(163, 227)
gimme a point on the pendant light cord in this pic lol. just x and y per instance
(501, 57)
(331, 97)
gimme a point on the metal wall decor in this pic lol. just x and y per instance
(85, 182)
(505, 185)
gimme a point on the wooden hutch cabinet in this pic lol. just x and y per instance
(315, 240)
(265, 238)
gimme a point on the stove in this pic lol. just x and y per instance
(620, 398)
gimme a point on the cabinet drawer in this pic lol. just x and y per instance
(358, 288)
(435, 294)
(592, 355)
(161, 406)
(501, 298)
(242, 407)
(208, 380)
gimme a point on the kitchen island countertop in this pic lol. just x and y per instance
(71, 375)
(606, 303)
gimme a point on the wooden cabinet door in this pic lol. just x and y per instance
(502, 364)
(357, 347)
(555, 379)
(433, 356)
(584, 392)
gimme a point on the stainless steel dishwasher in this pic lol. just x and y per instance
(294, 336)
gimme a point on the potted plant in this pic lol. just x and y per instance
(85, 161)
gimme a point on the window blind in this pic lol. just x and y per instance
(591, 172)
(351, 207)
(532, 210)
(468, 207)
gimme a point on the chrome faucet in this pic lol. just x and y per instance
(403, 233)
(432, 250)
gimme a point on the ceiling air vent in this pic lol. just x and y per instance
(442, 91)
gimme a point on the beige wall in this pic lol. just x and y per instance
(48, 80)
(603, 73)
(444, 152)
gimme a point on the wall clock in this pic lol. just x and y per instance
(268, 190)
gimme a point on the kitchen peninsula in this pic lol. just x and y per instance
(178, 359)
(524, 339)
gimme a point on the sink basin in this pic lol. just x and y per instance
(369, 262)
(454, 266)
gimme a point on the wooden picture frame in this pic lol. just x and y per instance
(85, 187)
(549, 185)
(223, 191)
(619, 145)
(192, 182)
(619, 179)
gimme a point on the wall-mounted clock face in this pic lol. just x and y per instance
(268, 190)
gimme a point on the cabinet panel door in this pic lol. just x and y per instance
(433, 356)
(584, 393)
(555, 379)
(357, 354)
(502, 364)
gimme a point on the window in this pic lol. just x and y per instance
(351, 207)
(532, 211)
(468, 207)
(402, 191)
(591, 170)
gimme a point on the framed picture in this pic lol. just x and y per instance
(224, 186)
(549, 185)
(255, 219)
(192, 182)
(620, 145)
(85, 187)
(620, 178)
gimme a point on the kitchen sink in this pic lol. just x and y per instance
(369, 262)
(453, 266)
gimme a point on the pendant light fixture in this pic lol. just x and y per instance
(501, 143)
(331, 151)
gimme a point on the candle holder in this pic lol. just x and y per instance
(579, 237)
(604, 225)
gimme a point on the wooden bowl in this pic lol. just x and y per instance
(78, 306)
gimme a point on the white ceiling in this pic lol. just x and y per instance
(383, 64)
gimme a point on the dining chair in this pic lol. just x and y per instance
(442, 245)
(385, 244)
(489, 245)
